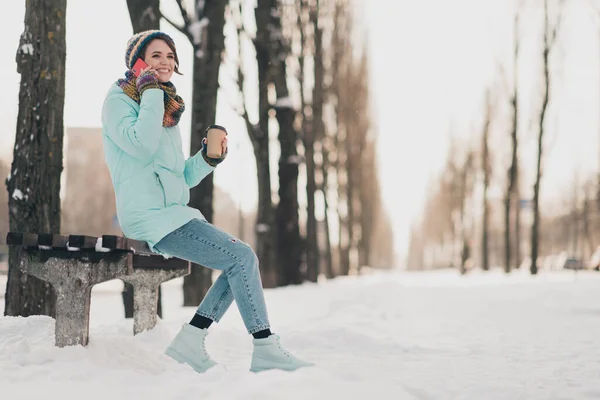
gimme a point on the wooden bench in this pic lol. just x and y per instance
(74, 264)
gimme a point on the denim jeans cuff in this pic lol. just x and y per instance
(258, 329)
(207, 315)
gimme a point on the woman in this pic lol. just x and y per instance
(152, 180)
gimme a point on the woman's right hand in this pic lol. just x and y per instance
(148, 79)
(149, 68)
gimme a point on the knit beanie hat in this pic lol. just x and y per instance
(136, 44)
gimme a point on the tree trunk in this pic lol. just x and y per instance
(329, 273)
(144, 14)
(511, 195)
(486, 183)
(289, 246)
(34, 182)
(288, 242)
(350, 190)
(313, 132)
(205, 86)
(548, 43)
(517, 221)
(265, 220)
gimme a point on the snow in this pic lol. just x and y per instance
(262, 228)
(396, 335)
(27, 48)
(284, 102)
(295, 159)
(17, 194)
(99, 248)
(195, 30)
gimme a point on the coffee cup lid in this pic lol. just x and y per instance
(216, 127)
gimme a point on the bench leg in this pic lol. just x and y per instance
(145, 300)
(72, 275)
(72, 315)
(145, 294)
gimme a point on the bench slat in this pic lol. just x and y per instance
(22, 239)
(83, 242)
(52, 240)
(120, 243)
(14, 238)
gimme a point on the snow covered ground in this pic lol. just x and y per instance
(432, 335)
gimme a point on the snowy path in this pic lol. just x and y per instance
(386, 336)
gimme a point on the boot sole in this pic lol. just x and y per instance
(200, 368)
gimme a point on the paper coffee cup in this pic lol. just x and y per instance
(214, 138)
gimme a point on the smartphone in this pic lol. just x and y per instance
(138, 67)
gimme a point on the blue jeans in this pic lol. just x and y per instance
(200, 242)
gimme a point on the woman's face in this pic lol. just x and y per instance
(160, 57)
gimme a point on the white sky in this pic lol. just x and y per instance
(430, 61)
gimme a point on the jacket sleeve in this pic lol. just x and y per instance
(196, 169)
(137, 134)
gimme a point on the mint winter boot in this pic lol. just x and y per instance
(269, 354)
(188, 347)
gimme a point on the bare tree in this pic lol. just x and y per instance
(511, 194)
(341, 63)
(549, 41)
(203, 26)
(289, 245)
(259, 133)
(485, 167)
(466, 183)
(314, 131)
(34, 181)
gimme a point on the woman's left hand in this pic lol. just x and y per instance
(214, 161)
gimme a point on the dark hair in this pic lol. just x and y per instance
(171, 46)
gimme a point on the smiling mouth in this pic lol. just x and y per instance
(163, 71)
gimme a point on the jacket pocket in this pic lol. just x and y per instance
(162, 189)
(172, 187)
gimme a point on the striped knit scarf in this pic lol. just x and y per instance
(174, 105)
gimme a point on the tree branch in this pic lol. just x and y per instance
(186, 18)
(557, 24)
(253, 130)
(174, 25)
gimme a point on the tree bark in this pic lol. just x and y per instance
(265, 221)
(511, 196)
(486, 183)
(205, 86)
(549, 40)
(329, 273)
(34, 181)
(144, 14)
(289, 245)
(288, 241)
(313, 131)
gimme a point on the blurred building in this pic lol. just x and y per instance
(88, 205)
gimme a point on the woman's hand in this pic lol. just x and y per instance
(214, 161)
(148, 79)
(149, 69)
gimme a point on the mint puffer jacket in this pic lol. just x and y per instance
(151, 178)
